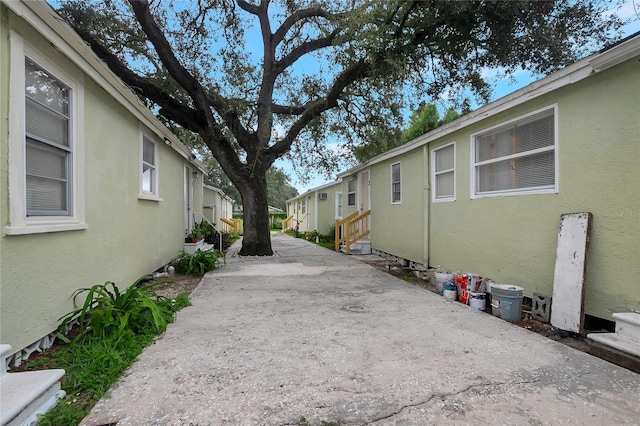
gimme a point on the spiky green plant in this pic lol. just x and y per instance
(106, 310)
(198, 263)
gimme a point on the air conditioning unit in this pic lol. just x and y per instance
(323, 196)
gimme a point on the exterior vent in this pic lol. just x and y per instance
(323, 196)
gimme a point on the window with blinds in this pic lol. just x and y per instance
(443, 165)
(518, 157)
(149, 167)
(48, 147)
(396, 187)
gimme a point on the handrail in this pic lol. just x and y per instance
(239, 225)
(230, 225)
(351, 229)
(203, 218)
(287, 223)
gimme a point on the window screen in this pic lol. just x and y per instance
(47, 144)
(396, 191)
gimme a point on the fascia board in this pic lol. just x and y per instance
(316, 189)
(616, 55)
(219, 191)
(43, 18)
(326, 185)
(569, 75)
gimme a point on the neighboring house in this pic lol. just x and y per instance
(217, 205)
(93, 187)
(316, 209)
(484, 193)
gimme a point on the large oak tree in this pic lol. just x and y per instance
(260, 79)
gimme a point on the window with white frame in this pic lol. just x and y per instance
(48, 146)
(338, 205)
(518, 157)
(45, 146)
(443, 162)
(149, 167)
(351, 193)
(396, 188)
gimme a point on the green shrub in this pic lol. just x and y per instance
(275, 219)
(330, 237)
(106, 311)
(196, 264)
(311, 236)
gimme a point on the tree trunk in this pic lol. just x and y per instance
(256, 240)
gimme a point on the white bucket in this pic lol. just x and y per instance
(450, 292)
(478, 301)
(442, 279)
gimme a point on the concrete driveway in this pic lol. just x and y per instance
(311, 336)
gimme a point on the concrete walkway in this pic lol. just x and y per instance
(311, 336)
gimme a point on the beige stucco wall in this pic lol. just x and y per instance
(222, 206)
(306, 220)
(126, 236)
(326, 209)
(398, 229)
(513, 239)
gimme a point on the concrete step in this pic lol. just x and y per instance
(26, 395)
(361, 247)
(616, 341)
(615, 349)
(628, 325)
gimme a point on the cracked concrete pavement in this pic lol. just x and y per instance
(310, 336)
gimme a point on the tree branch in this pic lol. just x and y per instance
(183, 77)
(300, 15)
(356, 72)
(303, 49)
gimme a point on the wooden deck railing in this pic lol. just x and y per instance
(351, 229)
(287, 223)
(231, 225)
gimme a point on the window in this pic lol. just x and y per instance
(443, 162)
(304, 206)
(48, 148)
(338, 205)
(518, 157)
(351, 193)
(396, 189)
(149, 178)
(45, 152)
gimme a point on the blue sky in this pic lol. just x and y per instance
(628, 10)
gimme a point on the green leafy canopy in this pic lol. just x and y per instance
(258, 80)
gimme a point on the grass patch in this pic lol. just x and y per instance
(330, 246)
(92, 366)
(96, 353)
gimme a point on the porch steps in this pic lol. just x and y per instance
(26, 395)
(191, 248)
(625, 341)
(362, 246)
